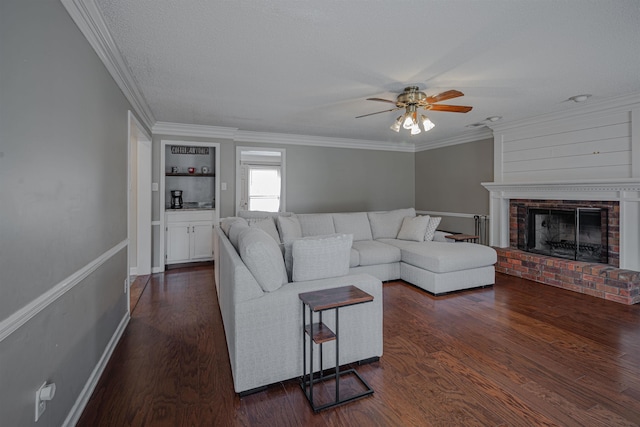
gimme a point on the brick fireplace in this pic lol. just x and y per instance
(616, 279)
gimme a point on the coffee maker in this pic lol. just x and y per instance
(176, 199)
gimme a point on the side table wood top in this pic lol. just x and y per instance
(326, 299)
(462, 237)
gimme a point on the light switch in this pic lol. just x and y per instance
(154, 186)
(223, 186)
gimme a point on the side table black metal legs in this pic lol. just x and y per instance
(319, 333)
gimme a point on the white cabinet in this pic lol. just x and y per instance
(189, 236)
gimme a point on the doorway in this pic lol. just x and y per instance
(140, 187)
(260, 179)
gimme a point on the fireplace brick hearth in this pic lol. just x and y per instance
(605, 281)
(599, 280)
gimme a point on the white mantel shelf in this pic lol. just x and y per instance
(596, 188)
(624, 190)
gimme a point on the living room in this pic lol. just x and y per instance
(65, 121)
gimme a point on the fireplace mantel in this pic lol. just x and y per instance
(625, 190)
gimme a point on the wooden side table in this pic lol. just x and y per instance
(463, 238)
(319, 333)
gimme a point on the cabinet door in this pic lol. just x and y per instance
(201, 240)
(178, 242)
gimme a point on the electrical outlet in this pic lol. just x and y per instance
(41, 405)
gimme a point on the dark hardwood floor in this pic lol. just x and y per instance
(516, 354)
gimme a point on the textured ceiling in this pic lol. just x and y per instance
(303, 67)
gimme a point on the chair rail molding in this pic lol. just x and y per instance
(26, 313)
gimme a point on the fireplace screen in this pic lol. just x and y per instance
(579, 234)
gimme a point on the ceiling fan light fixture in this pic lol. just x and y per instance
(415, 130)
(396, 125)
(427, 124)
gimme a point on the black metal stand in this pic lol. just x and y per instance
(320, 333)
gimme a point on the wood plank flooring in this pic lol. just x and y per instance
(515, 354)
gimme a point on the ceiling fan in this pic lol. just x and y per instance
(411, 100)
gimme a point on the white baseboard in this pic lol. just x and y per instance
(85, 394)
(133, 271)
(157, 269)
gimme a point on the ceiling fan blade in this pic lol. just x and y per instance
(450, 108)
(450, 94)
(378, 112)
(381, 100)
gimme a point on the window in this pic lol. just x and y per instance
(260, 179)
(264, 188)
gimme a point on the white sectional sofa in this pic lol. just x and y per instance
(262, 313)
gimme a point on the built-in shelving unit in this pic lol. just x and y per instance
(188, 232)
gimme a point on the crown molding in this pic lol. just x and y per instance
(89, 20)
(473, 136)
(181, 129)
(596, 107)
(236, 135)
(291, 139)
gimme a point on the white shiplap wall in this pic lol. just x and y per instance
(599, 144)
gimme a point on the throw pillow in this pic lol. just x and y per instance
(321, 257)
(289, 228)
(434, 222)
(414, 228)
(263, 258)
(267, 225)
(386, 225)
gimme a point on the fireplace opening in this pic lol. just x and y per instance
(578, 234)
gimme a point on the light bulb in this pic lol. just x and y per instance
(427, 124)
(408, 121)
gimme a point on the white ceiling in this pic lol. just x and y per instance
(305, 67)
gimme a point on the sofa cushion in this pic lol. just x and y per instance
(321, 257)
(434, 222)
(226, 223)
(289, 228)
(262, 214)
(372, 252)
(413, 228)
(386, 225)
(439, 257)
(263, 258)
(356, 223)
(266, 224)
(316, 224)
(235, 229)
(354, 258)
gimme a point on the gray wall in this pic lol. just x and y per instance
(63, 174)
(323, 179)
(319, 179)
(448, 180)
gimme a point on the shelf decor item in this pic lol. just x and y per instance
(175, 169)
(192, 170)
(205, 169)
